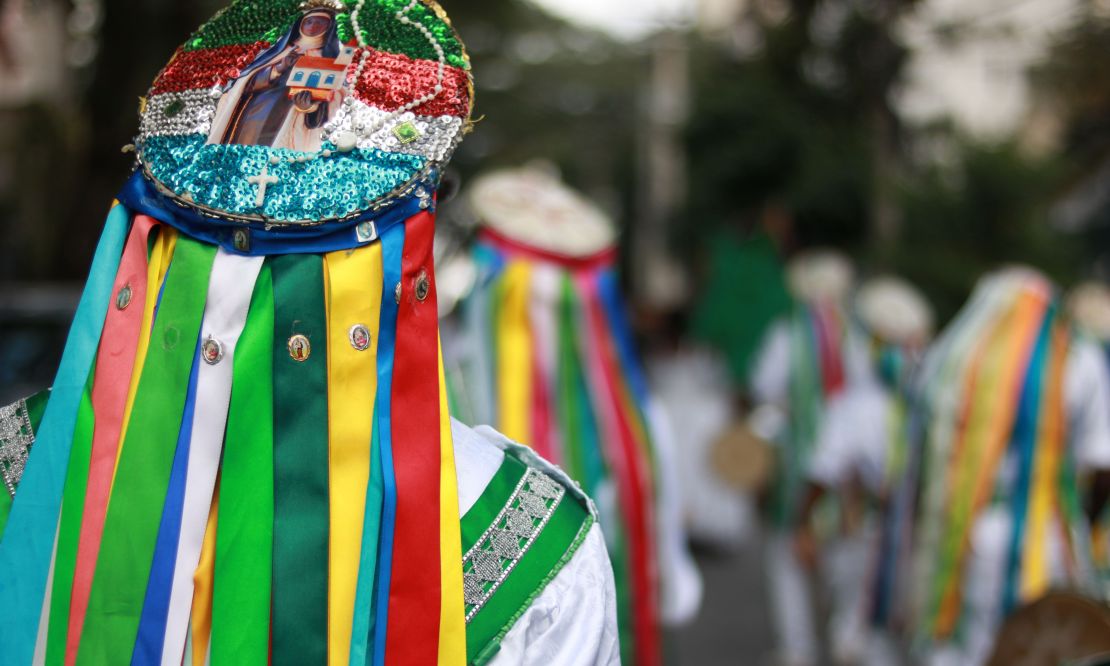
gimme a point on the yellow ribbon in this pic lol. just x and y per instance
(452, 623)
(1046, 472)
(353, 300)
(201, 621)
(514, 353)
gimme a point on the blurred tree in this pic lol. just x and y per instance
(986, 207)
(1073, 98)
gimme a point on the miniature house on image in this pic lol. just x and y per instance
(319, 76)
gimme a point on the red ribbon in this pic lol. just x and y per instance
(414, 591)
(514, 248)
(115, 361)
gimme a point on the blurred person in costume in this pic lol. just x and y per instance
(246, 456)
(1007, 423)
(1089, 307)
(859, 456)
(693, 386)
(720, 466)
(549, 358)
(804, 361)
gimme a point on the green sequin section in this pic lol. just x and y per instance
(248, 21)
(382, 30)
(325, 188)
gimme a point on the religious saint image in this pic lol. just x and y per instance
(286, 96)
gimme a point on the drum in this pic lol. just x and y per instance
(742, 460)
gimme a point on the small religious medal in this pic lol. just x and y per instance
(423, 285)
(212, 351)
(241, 239)
(262, 181)
(123, 298)
(360, 337)
(366, 231)
(299, 348)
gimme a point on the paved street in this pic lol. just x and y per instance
(732, 628)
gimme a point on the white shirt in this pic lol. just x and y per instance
(573, 621)
(1087, 399)
(854, 438)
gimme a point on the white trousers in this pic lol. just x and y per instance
(789, 586)
(848, 563)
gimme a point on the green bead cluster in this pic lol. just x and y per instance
(248, 21)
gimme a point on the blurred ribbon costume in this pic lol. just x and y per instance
(1008, 423)
(246, 456)
(547, 355)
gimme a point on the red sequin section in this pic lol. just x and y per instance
(388, 82)
(391, 80)
(205, 68)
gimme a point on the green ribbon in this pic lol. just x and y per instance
(143, 473)
(69, 531)
(244, 534)
(300, 576)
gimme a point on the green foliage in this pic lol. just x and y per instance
(986, 208)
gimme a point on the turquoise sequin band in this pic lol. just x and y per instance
(216, 176)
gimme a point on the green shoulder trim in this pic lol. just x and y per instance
(18, 423)
(519, 534)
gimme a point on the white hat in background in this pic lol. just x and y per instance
(531, 205)
(894, 311)
(820, 276)
(1089, 307)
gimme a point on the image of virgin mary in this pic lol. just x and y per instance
(289, 92)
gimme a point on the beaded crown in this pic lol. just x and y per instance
(292, 113)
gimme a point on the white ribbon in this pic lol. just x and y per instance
(225, 314)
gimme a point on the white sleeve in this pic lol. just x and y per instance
(770, 378)
(1087, 398)
(573, 622)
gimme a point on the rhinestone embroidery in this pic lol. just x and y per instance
(16, 439)
(494, 555)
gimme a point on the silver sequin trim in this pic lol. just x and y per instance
(195, 110)
(438, 135)
(16, 438)
(507, 540)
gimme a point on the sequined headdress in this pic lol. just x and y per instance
(246, 456)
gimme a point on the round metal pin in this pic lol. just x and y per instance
(423, 285)
(123, 297)
(360, 337)
(299, 348)
(212, 351)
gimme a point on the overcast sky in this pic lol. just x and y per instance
(625, 19)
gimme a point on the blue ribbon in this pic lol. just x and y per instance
(152, 624)
(25, 552)
(1024, 442)
(393, 244)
